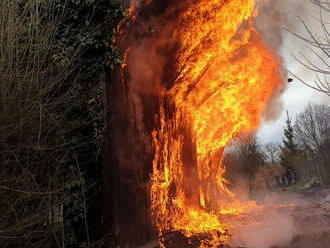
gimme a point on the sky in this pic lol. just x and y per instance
(296, 95)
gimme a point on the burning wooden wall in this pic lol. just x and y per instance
(195, 74)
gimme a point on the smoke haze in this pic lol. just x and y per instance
(295, 96)
(272, 17)
(277, 229)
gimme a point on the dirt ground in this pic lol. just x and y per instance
(309, 214)
(312, 220)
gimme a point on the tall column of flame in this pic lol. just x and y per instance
(226, 76)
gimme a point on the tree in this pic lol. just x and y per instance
(320, 45)
(272, 152)
(53, 54)
(245, 159)
(289, 150)
(312, 128)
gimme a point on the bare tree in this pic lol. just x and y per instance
(40, 173)
(312, 128)
(272, 152)
(320, 47)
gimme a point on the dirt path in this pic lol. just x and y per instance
(312, 220)
(309, 214)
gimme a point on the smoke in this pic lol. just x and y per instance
(147, 56)
(149, 46)
(276, 230)
(296, 95)
(287, 219)
(272, 226)
(146, 43)
(273, 17)
(133, 103)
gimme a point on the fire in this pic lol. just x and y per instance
(225, 77)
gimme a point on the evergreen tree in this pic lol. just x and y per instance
(289, 150)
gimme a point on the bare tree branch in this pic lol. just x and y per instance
(320, 48)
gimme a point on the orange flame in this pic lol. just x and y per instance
(226, 76)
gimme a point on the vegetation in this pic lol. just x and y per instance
(244, 160)
(303, 158)
(312, 128)
(289, 150)
(304, 152)
(319, 44)
(53, 54)
(312, 125)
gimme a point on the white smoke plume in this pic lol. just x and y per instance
(273, 226)
(276, 230)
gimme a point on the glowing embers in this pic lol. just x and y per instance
(226, 76)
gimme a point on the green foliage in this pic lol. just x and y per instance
(288, 141)
(89, 25)
(51, 117)
(86, 30)
(289, 150)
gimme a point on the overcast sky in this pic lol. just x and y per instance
(296, 95)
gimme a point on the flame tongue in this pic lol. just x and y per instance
(226, 76)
